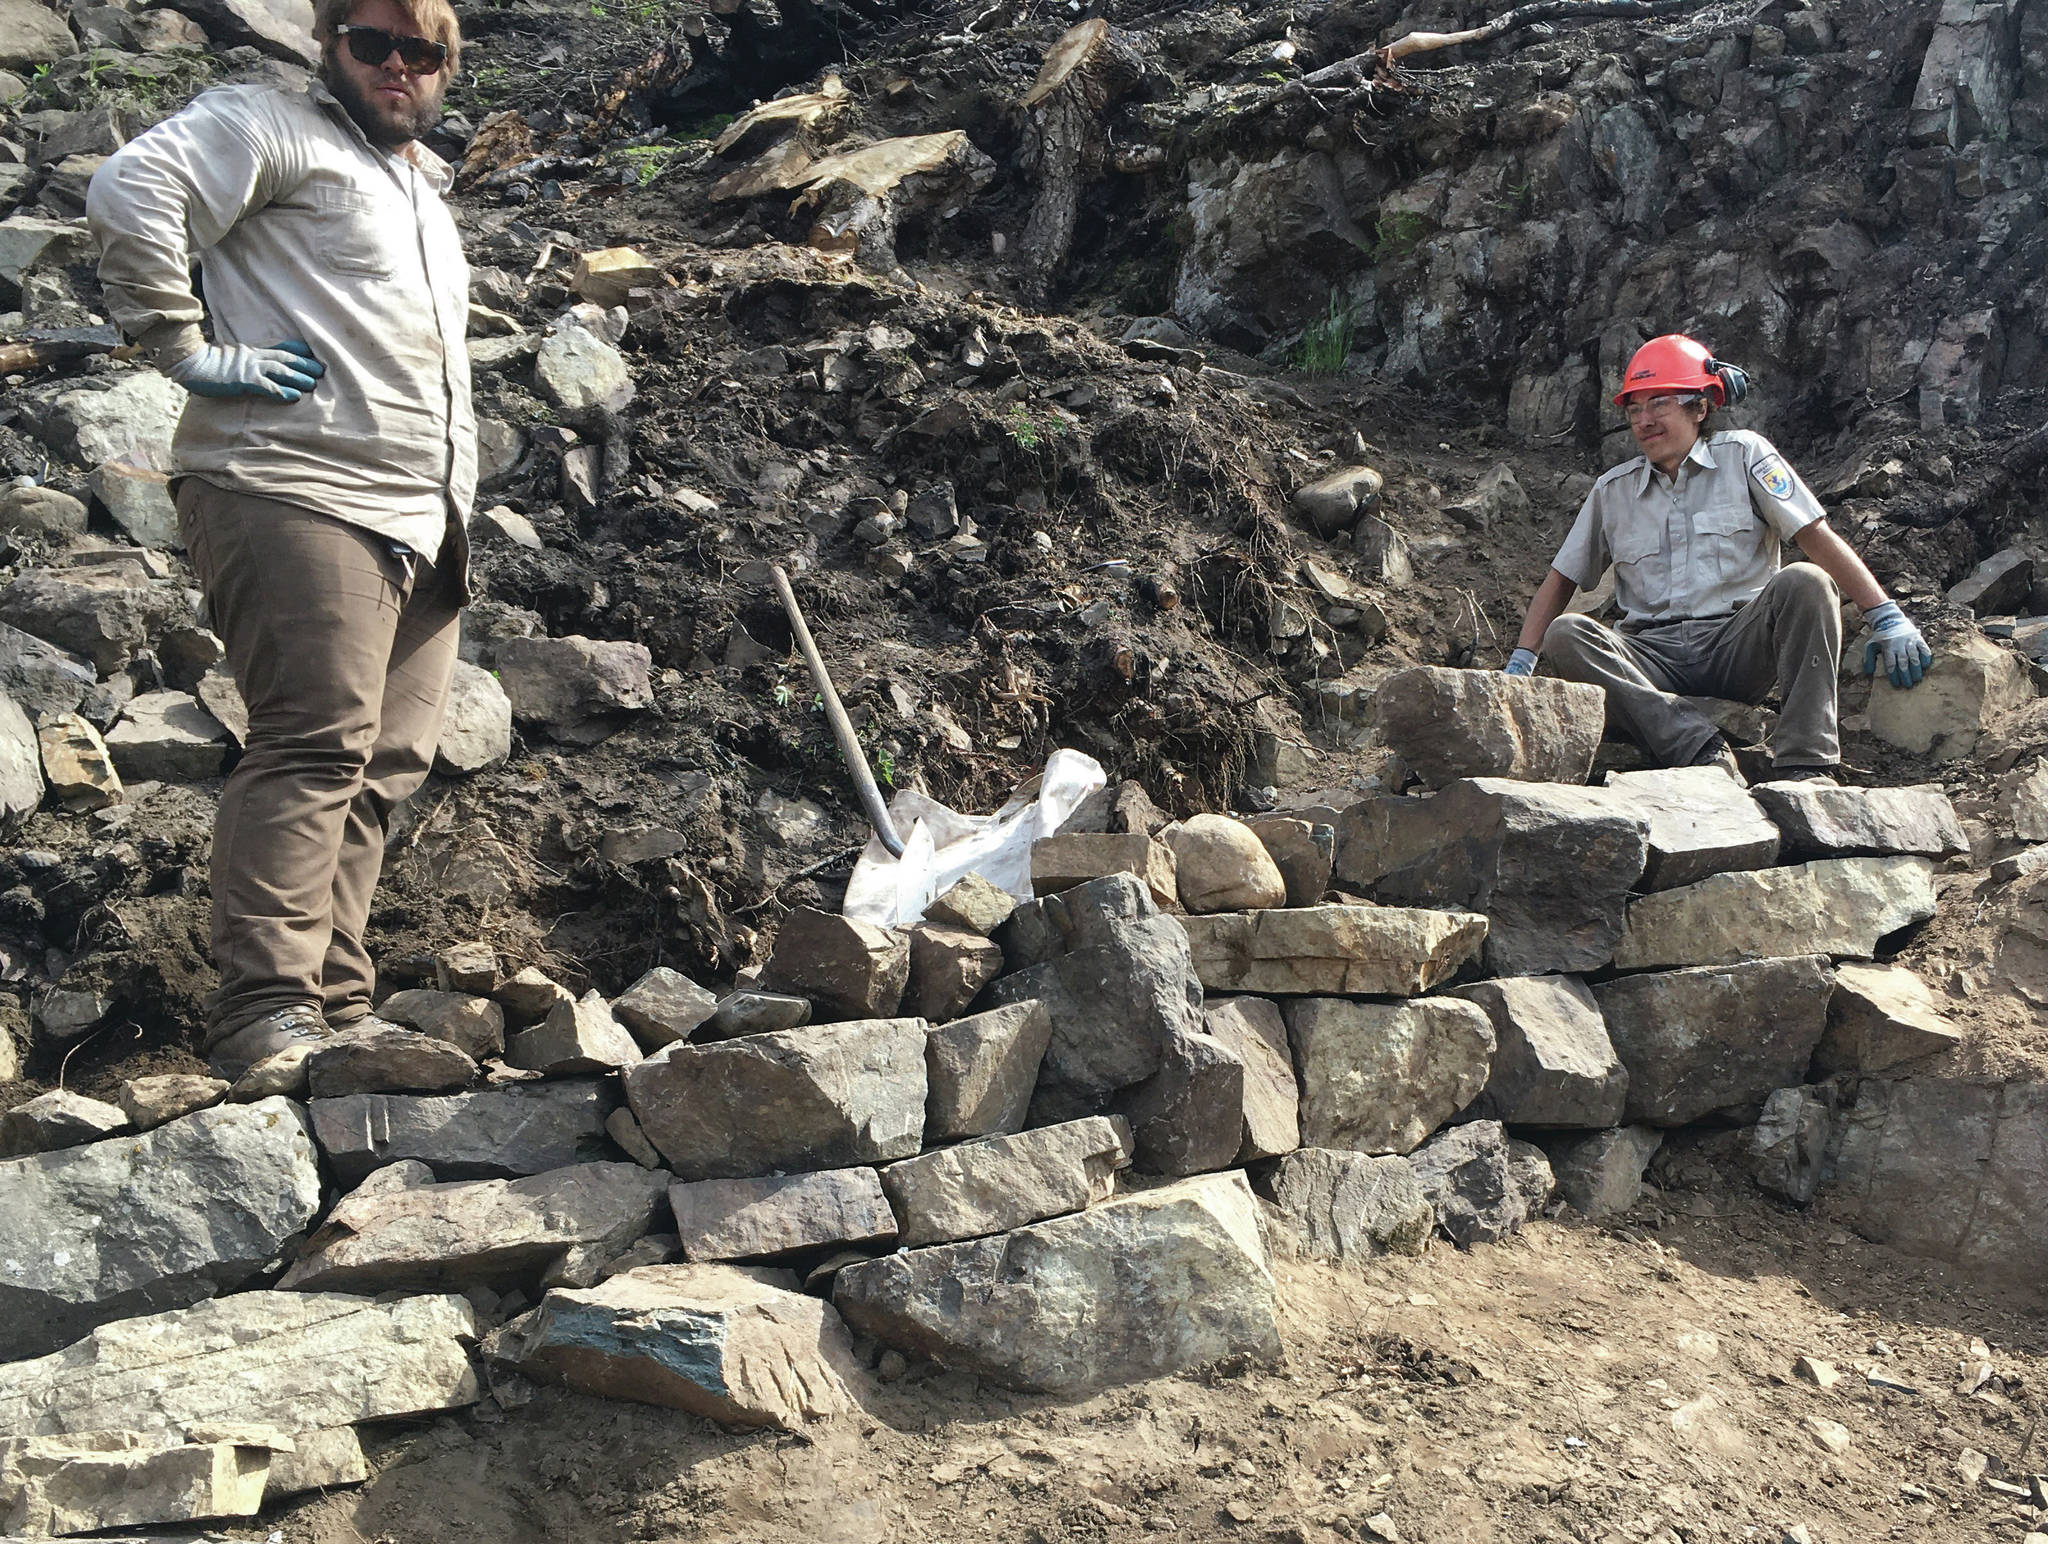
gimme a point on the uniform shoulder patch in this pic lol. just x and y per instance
(1772, 475)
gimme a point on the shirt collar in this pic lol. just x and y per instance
(437, 171)
(1701, 454)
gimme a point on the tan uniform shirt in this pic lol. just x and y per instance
(1699, 544)
(303, 229)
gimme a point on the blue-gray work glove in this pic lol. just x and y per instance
(283, 373)
(1521, 662)
(1897, 643)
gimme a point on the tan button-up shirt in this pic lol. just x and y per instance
(302, 229)
(1698, 544)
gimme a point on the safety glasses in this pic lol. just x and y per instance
(373, 45)
(1647, 407)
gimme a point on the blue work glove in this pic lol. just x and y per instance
(1521, 662)
(1898, 644)
(282, 373)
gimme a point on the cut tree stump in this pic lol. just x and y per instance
(1084, 74)
(859, 198)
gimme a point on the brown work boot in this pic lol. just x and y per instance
(274, 1032)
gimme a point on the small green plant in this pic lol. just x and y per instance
(885, 767)
(710, 128)
(782, 696)
(1028, 431)
(598, 12)
(1326, 340)
(1397, 233)
(649, 161)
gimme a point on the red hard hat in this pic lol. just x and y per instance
(1673, 362)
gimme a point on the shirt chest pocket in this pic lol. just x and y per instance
(1642, 568)
(1731, 536)
(351, 228)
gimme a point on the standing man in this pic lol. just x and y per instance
(324, 470)
(1692, 527)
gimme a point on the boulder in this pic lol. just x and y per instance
(846, 969)
(292, 1361)
(1382, 951)
(1059, 863)
(980, 1071)
(385, 1061)
(1219, 864)
(77, 764)
(59, 1119)
(90, 1481)
(827, 1096)
(21, 766)
(476, 730)
(764, 1219)
(166, 737)
(150, 1102)
(1701, 822)
(1333, 502)
(2024, 802)
(1697, 1042)
(492, 1133)
(999, 1183)
(472, 1024)
(44, 514)
(131, 420)
(662, 1007)
(139, 499)
(42, 679)
(1253, 1029)
(1444, 725)
(1834, 906)
(1465, 1174)
(714, 1340)
(34, 35)
(105, 615)
(1188, 1117)
(1122, 807)
(319, 1460)
(1380, 1077)
(528, 996)
(135, 1224)
(1553, 1065)
(948, 969)
(972, 903)
(1880, 1017)
(1302, 851)
(578, 689)
(1601, 1173)
(574, 1038)
(427, 1237)
(751, 1012)
(1350, 1207)
(580, 372)
(279, 29)
(1972, 683)
(606, 278)
(1822, 820)
(1116, 981)
(1550, 866)
(1076, 1303)
(1998, 586)
(1787, 1147)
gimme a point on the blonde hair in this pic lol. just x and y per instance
(435, 19)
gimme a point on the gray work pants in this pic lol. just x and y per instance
(1789, 637)
(344, 659)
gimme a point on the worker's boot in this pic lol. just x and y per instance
(299, 1024)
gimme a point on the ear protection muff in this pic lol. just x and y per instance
(1733, 379)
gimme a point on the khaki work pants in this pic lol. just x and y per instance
(1789, 637)
(344, 659)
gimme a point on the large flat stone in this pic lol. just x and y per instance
(473, 1025)
(715, 1340)
(980, 1071)
(1554, 1065)
(61, 1118)
(493, 1133)
(1000, 1183)
(1718, 1038)
(385, 1061)
(1349, 1206)
(1322, 951)
(1449, 724)
(1551, 867)
(1701, 822)
(1880, 1017)
(827, 1096)
(294, 1361)
(135, 1224)
(762, 1219)
(1822, 820)
(475, 1232)
(91, 1481)
(1833, 906)
(1380, 1077)
(1080, 1302)
(1061, 862)
(1254, 1029)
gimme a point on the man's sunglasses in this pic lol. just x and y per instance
(373, 45)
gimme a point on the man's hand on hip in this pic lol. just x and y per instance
(282, 373)
(1897, 645)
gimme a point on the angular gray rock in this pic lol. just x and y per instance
(385, 1061)
(625, 1131)
(1822, 820)
(473, 1025)
(1380, 1077)
(999, 1183)
(1718, 1038)
(580, 372)
(492, 1133)
(1076, 1303)
(149, 1102)
(106, 616)
(28, 509)
(1331, 504)
(166, 737)
(139, 500)
(1701, 822)
(59, 1119)
(764, 1219)
(135, 1224)
(426, 1237)
(578, 689)
(1379, 951)
(476, 731)
(1115, 978)
(1219, 864)
(528, 996)
(948, 969)
(1349, 1206)
(847, 969)
(44, 680)
(575, 1037)
(828, 1096)
(974, 904)
(280, 29)
(1188, 1117)
(1253, 1028)
(21, 766)
(1787, 1147)
(1553, 1064)
(1880, 1017)
(1530, 1172)
(1601, 1173)
(1833, 906)
(980, 1071)
(1071, 858)
(749, 1012)
(1550, 866)
(130, 420)
(714, 1340)
(663, 1006)
(1471, 1187)
(1996, 586)
(92, 1481)
(319, 1460)
(1303, 851)
(1444, 725)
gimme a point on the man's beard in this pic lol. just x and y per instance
(380, 129)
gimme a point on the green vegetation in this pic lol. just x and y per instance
(1028, 431)
(1397, 233)
(710, 128)
(648, 161)
(1326, 340)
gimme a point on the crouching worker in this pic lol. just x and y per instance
(324, 466)
(1692, 527)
